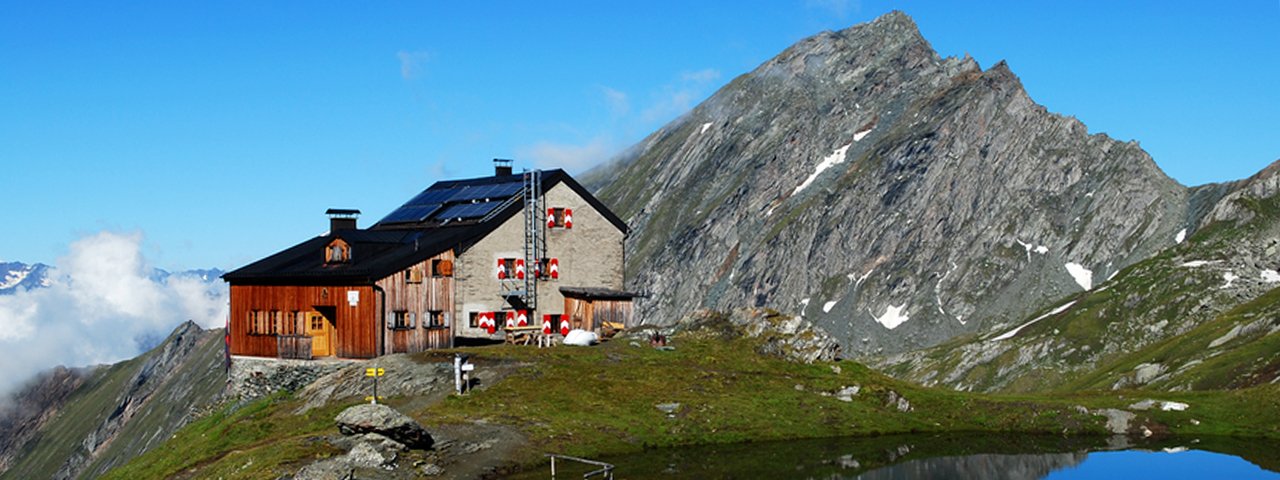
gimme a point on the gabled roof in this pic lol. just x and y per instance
(398, 241)
(480, 199)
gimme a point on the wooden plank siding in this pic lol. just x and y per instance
(356, 326)
(433, 293)
(591, 314)
(293, 346)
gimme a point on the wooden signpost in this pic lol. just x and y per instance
(374, 372)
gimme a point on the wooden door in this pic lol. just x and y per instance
(321, 333)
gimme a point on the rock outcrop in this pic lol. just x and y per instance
(783, 336)
(385, 421)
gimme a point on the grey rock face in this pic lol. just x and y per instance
(785, 336)
(892, 197)
(384, 421)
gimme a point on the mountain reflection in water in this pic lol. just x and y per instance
(994, 456)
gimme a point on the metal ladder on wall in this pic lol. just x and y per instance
(523, 295)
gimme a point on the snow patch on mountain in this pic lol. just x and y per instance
(1270, 276)
(892, 317)
(1040, 249)
(836, 158)
(14, 277)
(862, 134)
(1230, 277)
(1082, 276)
(1197, 263)
(1009, 334)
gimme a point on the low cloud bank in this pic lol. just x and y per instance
(103, 305)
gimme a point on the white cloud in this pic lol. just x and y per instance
(574, 158)
(706, 75)
(102, 306)
(677, 98)
(411, 63)
(618, 102)
(839, 8)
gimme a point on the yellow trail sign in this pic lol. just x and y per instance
(370, 398)
(374, 372)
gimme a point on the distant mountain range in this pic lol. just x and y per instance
(18, 276)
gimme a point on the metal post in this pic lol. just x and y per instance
(457, 373)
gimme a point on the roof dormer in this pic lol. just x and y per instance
(338, 251)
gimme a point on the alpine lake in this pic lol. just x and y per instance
(978, 456)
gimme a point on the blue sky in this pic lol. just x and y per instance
(222, 131)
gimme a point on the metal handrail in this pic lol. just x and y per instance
(606, 470)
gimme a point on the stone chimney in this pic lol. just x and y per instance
(501, 167)
(341, 219)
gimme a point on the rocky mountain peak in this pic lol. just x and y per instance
(891, 39)
(891, 196)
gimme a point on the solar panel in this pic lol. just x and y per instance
(494, 191)
(434, 196)
(466, 211)
(410, 214)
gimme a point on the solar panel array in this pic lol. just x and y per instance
(462, 202)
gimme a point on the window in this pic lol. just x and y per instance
(317, 323)
(273, 322)
(289, 323)
(402, 320)
(548, 268)
(337, 252)
(434, 319)
(506, 268)
(262, 322)
(413, 275)
(441, 268)
(559, 218)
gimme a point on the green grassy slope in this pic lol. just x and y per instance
(102, 399)
(601, 400)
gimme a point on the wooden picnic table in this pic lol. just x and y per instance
(522, 335)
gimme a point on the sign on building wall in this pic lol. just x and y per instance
(353, 297)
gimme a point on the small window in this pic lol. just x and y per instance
(298, 322)
(441, 268)
(317, 323)
(474, 320)
(506, 268)
(434, 319)
(559, 217)
(337, 252)
(403, 320)
(251, 325)
(548, 268)
(260, 318)
(413, 275)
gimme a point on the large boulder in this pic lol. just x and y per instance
(385, 421)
